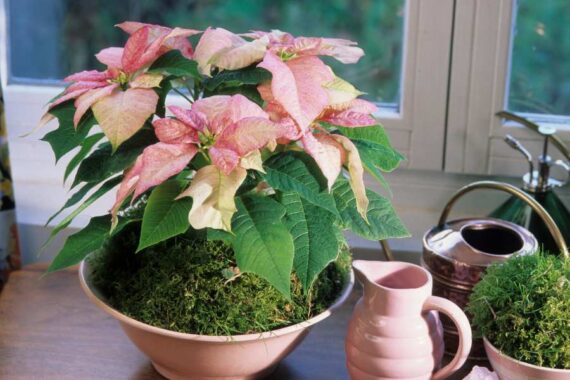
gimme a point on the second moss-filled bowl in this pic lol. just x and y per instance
(511, 369)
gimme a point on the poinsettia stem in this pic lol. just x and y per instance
(197, 90)
(205, 156)
(182, 94)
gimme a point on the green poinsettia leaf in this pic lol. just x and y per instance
(379, 156)
(103, 163)
(374, 133)
(105, 187)
(383, 222)
(162, 91)
(66, 138)
(87, 240)
(86, 147)
(371, 167)
(80, 244)
(164, 217)
(340, 238)
(314, 237)
(220, 235)
(74, 199)
(249, 91)
(66, 85)
(174, 63)
(236, 78)
(263, 244)
(297, 172)
(374, 146)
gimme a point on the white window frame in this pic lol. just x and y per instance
(417, 129)
(479, 81)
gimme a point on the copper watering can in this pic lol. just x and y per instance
(457, 252)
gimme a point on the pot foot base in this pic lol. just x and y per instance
(175, 375)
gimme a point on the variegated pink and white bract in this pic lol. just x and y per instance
(268, 156)
(302, 93)
(122, 112)
(229, 131)
(227, 128)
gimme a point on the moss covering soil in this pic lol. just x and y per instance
(523, 308)
(190, 285)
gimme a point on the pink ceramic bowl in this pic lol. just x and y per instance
(199, 357)
(510, 369)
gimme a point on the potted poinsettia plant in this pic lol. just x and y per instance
(230, 206)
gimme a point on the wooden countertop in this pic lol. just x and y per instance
(50, 330)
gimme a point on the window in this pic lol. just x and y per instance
(64, 35)
(539, 80)
(406, 68)
(506, 54)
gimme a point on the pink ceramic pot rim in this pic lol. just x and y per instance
(496, 352)
(97, 299)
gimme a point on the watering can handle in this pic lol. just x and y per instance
(544, 215)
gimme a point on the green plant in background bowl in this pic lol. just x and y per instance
(522, 307)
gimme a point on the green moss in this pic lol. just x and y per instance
(188, 284)
(523, 308)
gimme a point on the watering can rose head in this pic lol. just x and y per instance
(260, 146)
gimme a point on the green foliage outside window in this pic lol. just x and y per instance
(377, 26)
(540, 73)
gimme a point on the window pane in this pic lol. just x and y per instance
(51, 38)
(540, 60)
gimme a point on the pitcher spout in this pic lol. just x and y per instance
(387, 284)
(363, 271)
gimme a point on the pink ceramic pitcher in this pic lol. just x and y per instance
(395, 332)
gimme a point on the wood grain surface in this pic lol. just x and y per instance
(49, 330)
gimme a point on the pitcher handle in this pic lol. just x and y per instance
(464, 330)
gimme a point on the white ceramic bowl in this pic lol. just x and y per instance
(510, 369)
